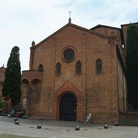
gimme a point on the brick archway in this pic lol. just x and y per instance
(68, 87)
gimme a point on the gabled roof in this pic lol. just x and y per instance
(77, 27)
(99, 26)
(105, 26)
(128, 24)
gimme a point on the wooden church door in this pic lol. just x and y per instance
(68, 107)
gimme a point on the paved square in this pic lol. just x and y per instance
(61, 129)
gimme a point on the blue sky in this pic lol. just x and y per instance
(24, 21)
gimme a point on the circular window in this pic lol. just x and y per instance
(68, 54)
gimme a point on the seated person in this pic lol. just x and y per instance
(2, 111)
(12, 112)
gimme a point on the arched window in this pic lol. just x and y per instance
(78, 67)
(40, 68)
(98, 66)
(58, 69)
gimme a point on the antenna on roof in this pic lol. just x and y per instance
(70, 16)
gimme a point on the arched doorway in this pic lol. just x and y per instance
(68, 105)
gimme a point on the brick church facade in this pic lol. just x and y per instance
(76, 71)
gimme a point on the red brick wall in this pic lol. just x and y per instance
(2, 77)
(95, 93)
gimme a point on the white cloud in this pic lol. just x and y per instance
(23, 21)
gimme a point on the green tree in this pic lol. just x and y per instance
(12, 83)
(132, 65)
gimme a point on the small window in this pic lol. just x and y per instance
(78, 67)
(40, 68)
(98, 66)
(58, 69)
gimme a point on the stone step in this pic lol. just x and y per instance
(128, 122)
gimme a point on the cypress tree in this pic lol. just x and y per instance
(12, 83)
(132, 65)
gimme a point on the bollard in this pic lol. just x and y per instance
(106, 126)
(15, 119)
(77, 127)
(17, 122)
(116, 124)
(24, 117)
(39, 126)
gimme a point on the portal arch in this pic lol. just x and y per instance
(68, 87)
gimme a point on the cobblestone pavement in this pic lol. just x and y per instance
(62, 129)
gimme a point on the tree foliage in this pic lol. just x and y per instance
(12, 83)
(132, 65)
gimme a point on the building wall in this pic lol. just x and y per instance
(121, 86)
(95, 93)
(117, 33)
(2, 76)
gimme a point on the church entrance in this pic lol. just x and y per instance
(67, 110)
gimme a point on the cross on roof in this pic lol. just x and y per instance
(70, 14)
